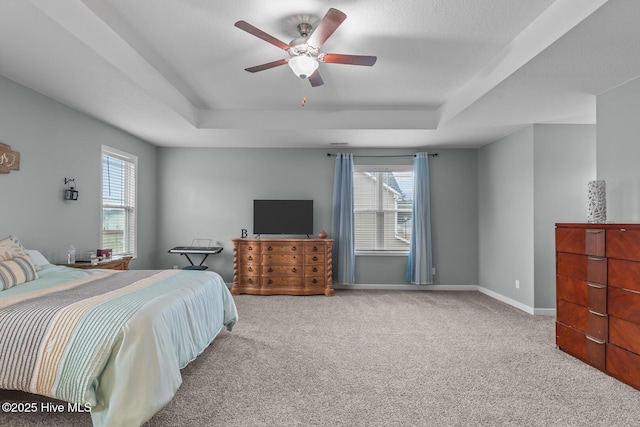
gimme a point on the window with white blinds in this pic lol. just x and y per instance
(119, 182)
(383, 206)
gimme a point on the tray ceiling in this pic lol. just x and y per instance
(450, 73)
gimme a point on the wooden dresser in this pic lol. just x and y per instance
(282, 267)
(598, 296)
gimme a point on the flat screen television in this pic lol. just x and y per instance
(283, 217)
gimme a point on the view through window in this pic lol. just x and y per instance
(383, 205)
(119, 182)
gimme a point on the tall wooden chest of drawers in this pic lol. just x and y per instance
(282, 267)
(598, 296)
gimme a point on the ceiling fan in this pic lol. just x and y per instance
(304, 52)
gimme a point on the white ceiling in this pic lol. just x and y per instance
(450, 73)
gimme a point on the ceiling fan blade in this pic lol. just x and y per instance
(315, 79)
(329, 23)
(337, 58)
(243, 25)
(266, 66)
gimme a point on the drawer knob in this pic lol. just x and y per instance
(270, 281)
(294, 249)
(293, 270)
(269, 248)
(314, 281)
(249, 269)
(250, 280)
(315, 269)
(315, 258)
(315, 249)
(250, 258)
(270, 270)
(250, 248)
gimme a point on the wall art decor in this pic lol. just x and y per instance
(9, 160)
(597, 202)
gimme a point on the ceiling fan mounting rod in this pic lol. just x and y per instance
(304, 29)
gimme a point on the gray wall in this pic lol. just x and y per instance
(529, 181)
(505, 216)
(55, 142)
(209, 192)
(618, 150)
(564, 161)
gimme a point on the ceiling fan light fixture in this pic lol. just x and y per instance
(303, 66)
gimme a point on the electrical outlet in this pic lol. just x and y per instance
(433, 270)
(517, 284)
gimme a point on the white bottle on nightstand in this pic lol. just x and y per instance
(71, 255)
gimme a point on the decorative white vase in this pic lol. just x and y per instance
(597, 202)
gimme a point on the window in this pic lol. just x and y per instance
(383, 205)
(119, 181)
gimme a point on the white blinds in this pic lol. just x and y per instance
(383, 201)
(119, 180)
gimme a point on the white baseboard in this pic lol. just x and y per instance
(488, 292)
(409, 287)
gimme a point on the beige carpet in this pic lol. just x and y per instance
(386, 358)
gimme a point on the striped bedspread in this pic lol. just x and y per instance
(57, 340)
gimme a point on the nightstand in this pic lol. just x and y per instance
(110, 264)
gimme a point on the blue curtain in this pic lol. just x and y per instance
(420, 262)
(343, 246)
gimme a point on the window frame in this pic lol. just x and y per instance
(381, 168)
(133, 161)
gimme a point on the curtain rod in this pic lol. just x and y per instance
(393, 155)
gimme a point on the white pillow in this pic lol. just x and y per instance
(37, 258)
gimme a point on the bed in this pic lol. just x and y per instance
(109, 341)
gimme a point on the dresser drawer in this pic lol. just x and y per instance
(623, 304)
(572, 290)
(250, 269)
(249, 247)
(624, 334)
(598, 325)
(594, 243)
(281, 270)
(595, 351)
(624, 274)
(275, 259)
(314, 270)
(310, 248)
(249, 280)
(597, 270)
(250, 258)
(623, 365)
(623, 244)
(272, 247)
(574, 315)
(315, 281)
(570, 240)
(597, 297)
(314, 259)
(571, 265)
(571, 341)
(289, 281)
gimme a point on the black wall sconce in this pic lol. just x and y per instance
(70, 193)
